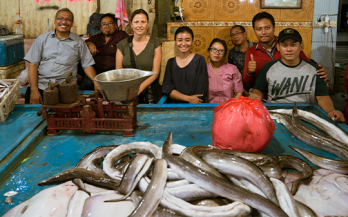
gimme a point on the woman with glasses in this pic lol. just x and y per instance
(142, 52)
(225, 81)
(185, 79)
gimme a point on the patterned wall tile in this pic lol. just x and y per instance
(254, 8)
(203, 37)
(304, 14)
(229, 10)
(306, 34)
(199, 10)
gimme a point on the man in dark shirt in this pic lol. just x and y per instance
(237, 54)
(103, 47)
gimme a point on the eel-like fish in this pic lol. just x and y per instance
(272, 170)
(135, 166)
(323, 125)
(189, 156)
(326, 163)
(99, 152)
(304, 210)
(125, 149)
(146, 166)
(91, 177)
(235, 209)
(237, 166)
(285, 197)
(256, 158)
(219, 186)
(310, 139)
(287, 161)
(154, 192)
(297, 120)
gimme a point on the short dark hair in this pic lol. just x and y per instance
(182, 29)
(238, 26)
(112, 16)
(218, 40)
(139, 11)
(66, 10)
(261, 16)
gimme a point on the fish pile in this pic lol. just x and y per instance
(172, 181)
(334, 141)
(142, 179)
(5, 87)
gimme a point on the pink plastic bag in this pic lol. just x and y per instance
(242, 124)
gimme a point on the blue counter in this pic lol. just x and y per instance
(40, 156)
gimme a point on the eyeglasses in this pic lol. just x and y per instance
(237, 33)
(214, 50)
(106, 24)
(62, 18)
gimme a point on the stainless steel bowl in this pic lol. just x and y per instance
(116, 83)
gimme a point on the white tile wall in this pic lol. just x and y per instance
(324, 45)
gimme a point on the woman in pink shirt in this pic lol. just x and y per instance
(225, 81)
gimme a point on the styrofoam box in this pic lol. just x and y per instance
(12, 71)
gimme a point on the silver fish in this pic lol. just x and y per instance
(154, 192)
(219, 186)
(286, 161)
(297, 120)
(326, 163)
(125, 149)
(323, 125)
(310, 139)
(237, 166)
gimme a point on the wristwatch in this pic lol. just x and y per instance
(251, 89)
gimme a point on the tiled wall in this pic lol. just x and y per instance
(324, 45)
(213, 18)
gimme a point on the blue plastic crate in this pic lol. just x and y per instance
(11, 49)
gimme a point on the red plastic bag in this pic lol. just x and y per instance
(242, 124)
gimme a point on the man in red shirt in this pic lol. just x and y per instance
(103, 47)
(265, 50)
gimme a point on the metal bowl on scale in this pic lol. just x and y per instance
(116, 83)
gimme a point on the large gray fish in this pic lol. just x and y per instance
(237, 166)
(297, 120)
(153, 193)
(310, 139)
(326, 163)
(91, 177)
(210, 182)
(287, 161)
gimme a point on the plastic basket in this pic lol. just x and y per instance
(9, 101)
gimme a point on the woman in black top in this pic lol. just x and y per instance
(186, 76)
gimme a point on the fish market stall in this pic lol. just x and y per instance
(33, 156)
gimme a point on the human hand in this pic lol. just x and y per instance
(35, 97)
(195, 98)
(254, 96)
(92, 48)
(96, 86)
(322, 72)
(336, 116)
(251, 65)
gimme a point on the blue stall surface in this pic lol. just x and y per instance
(11, 49)
(190, 123)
